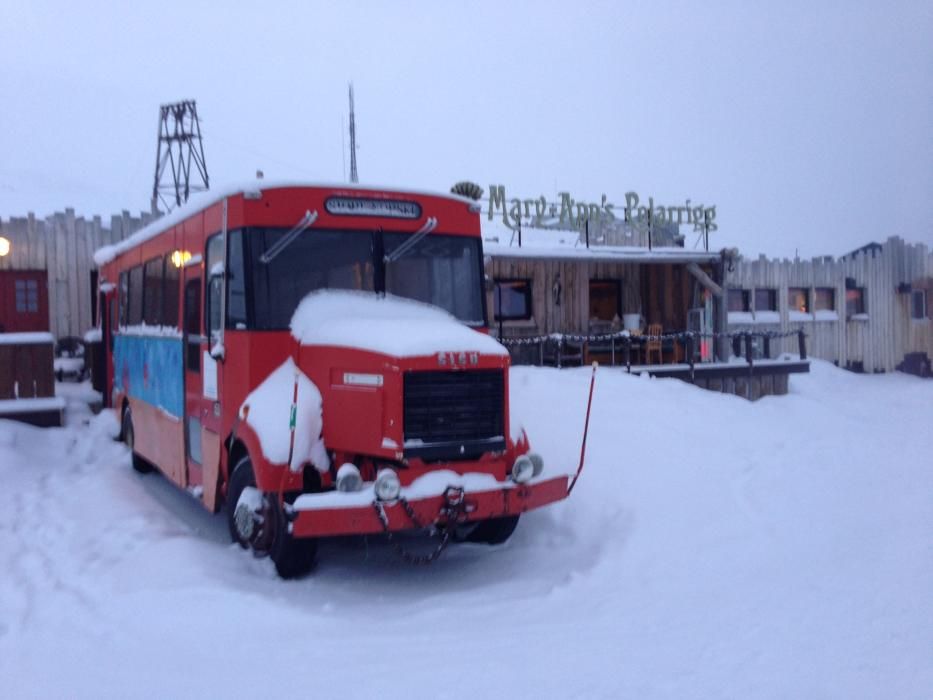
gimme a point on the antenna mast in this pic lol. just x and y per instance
(353, 175)
(179, 146)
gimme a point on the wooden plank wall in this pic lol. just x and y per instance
(572, 314)
(64, 245)
(661, 292)
(879, 341)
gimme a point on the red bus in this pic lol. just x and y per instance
(316, 360)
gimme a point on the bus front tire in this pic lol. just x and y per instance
(293, 557)
(129, 437)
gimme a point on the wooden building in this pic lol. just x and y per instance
(56, 254)
(870, 310)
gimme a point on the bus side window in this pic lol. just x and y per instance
(215, 286)
(193, 325)
(236, 281)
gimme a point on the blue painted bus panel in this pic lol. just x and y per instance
(149, 368)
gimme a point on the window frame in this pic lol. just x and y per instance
(527, 294)
(617, 283)
(772, 298)
(861, 307)
(924, 311)
(816, 298)
(744, 299)
(808, 302)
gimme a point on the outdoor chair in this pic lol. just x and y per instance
(653, 343)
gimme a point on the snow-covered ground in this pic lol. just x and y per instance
(713, 548)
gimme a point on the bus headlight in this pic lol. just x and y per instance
(387, 486)
(538, 461)
(523, 470)
(348, 478)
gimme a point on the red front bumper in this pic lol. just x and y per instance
(360, 519)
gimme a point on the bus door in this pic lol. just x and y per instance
(102, 371)
(194, 343)
(202, 310)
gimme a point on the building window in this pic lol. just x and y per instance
(152, 296)
(135, 313)
(798, 299)
(512, 300)
(738, 299)
(918, 303)
(27, 296)
(824, 299)
(766, 300)
(855, 301)
(604, 299)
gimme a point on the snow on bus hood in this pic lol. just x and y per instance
(386, 324)
(269, 416)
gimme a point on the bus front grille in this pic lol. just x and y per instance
(454, 415)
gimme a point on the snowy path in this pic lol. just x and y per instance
(713, 548)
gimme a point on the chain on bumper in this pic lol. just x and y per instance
(452, 513)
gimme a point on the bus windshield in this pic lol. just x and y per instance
(440, 269)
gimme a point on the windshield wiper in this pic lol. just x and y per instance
(429, 226)
(286, 240)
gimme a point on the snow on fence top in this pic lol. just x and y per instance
(386, 324)
(203, 200)
(26, 338)
(502, 242)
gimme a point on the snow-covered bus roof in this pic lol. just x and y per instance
(202, 200)
(499, 241)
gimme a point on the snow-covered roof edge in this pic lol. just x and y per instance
(203, 200)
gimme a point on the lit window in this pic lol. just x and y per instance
(798, 299)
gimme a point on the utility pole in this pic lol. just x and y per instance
(179, 147)
(353, 175)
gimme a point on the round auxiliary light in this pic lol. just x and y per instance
(537, 461)
(4, 246)
(348, 478)
(523, 470)
(387, 485)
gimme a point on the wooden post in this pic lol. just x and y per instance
(802, 344)
(748, 351)
(627, 352)
(690, 355)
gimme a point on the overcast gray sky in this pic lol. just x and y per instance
(808, 124)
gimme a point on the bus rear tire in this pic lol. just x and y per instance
(494, 530)
(129, 437)
(293, 557)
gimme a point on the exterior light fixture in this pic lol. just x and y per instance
(4, 247)
(180, 257)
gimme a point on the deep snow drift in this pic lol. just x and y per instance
(713, 548)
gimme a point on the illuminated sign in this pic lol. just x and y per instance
(366, 206)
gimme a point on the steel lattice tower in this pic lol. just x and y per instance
(179, 147)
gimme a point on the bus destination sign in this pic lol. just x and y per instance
(365, 206)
